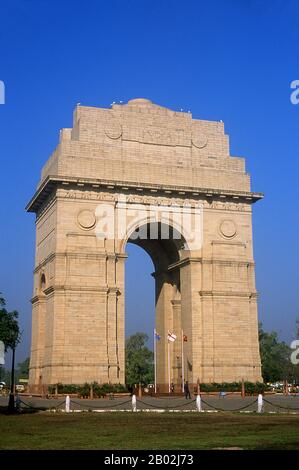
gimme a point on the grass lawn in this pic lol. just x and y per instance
(148, 431)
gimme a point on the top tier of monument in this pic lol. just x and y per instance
(144, 143)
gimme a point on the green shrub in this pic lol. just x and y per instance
(254, 388)
(51, 389)
(84, 390)
(99, 390)
(250, 387)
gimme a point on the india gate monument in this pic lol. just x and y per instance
(141, 173)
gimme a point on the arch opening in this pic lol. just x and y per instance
(166, 247)
(139, 293)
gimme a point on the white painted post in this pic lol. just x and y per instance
(134, 403)
(67, 404)
(198, 403)
(260, 403)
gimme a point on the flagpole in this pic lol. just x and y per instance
(183, 365)
(155, 360)
(168, 351)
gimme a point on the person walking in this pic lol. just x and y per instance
(186, 390)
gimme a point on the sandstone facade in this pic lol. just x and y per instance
(136, 154)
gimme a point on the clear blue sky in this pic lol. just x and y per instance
(231, 60)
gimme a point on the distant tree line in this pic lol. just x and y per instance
(276, 358)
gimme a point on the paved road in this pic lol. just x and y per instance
(209, 402)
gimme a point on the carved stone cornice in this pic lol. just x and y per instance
(230, 364)
(228, 262)
(51, 183)
(73, 254)
(65, 364)
(114, 291)
(184, 262)
(212, 261)
(66, 288)
(247, 295)
(38, 298)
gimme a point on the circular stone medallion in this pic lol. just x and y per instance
(199, 140)
(228, 228)
(113, 130)
(86, 219)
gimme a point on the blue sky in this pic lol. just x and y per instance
(231, 60)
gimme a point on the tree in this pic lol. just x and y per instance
(9, 327)
(275, 357)
(10, 335)
(23, 368)
(139, 360)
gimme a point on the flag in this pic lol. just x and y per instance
(185, 338)
(171, 337)
(157, 336)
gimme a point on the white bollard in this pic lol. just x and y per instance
(260, 403)
(198, 403)
(67, 404)
(134, 403)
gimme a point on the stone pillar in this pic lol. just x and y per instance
(191, 315)
(112, 316)
(177, 345)
(164, 322)
(37, 342)
(120, 282)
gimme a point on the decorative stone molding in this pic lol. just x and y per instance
(52, 182)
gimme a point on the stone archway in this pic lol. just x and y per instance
(166, 255)
(156, 166)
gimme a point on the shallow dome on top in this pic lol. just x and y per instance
(139, 101)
